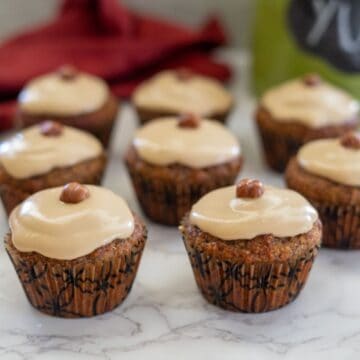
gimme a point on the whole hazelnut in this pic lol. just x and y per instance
(248, 188)
(189, 120)
(51, 128)
(312, 80)
(74, 193)
(351, 140)
(67, 72)
(184, 74)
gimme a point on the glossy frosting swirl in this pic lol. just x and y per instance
(313, 106)
(50, 227)
(331, 160)
(162, 142)
(51, 94)
(280, 212)
(30, 153)
(167, 92)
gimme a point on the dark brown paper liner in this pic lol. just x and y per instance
(104, 134)
(99, 123)
(251, 288)
(281, 141)
(146, 116)
(86, 289)
(341, 225)
(278, 149)
(167, 202)
(11, 195)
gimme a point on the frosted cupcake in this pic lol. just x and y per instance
(47, 155)
(71, 97)
(251, 246)
(75, 249)
(301, 110)
(174, 161)
(327, 173)
(174, 92)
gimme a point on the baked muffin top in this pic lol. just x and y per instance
(41, 148)
(187, 140)
(69, 222)
(182, 91)
(334, 159)
(310, 101)
(66, 92)
(250, 209)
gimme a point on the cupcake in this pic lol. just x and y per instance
(173, 161)
(251, 246)
(71, 97)
(47, 155)
(75, 249)
(299, 111)
(327, 173)
(175, 92)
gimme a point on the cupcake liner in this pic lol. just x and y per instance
(104, 133)
(167, 202)
(12, 193)
(278, 149)
(281, 141)
(251, 288)
(87, 288)
(341, 225)
(146, 116)
(11, 197)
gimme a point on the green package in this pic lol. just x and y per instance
(294, 37)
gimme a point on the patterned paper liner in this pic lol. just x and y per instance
(341, 225)
(250, 288)
(12, 195)
(167, 202)
(278, 149)
(104, 134)
(85, 289)
(146, 116)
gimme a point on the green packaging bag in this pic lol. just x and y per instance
(293, 37)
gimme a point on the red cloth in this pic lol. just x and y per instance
(106, 39)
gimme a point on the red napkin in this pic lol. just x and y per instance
(104, 38)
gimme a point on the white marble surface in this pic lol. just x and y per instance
(165, 317)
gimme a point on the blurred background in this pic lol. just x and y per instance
(236, 14)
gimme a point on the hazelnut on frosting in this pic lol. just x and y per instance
(44, 147)
(73, 193)
(66, 92)
(66, 223)
(182, 91)
(310, 101)
(334, 159)
(200, 144)
(250, 209)
(51, 128)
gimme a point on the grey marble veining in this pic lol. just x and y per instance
(165, 317)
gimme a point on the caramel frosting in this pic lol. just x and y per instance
(30, 152)
(169, 92)
(65, 231)
(56, 95)
(314, 105)
(332, 160)
(280, 212)
(163, 142)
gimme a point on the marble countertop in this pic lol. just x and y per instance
(165, 316)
